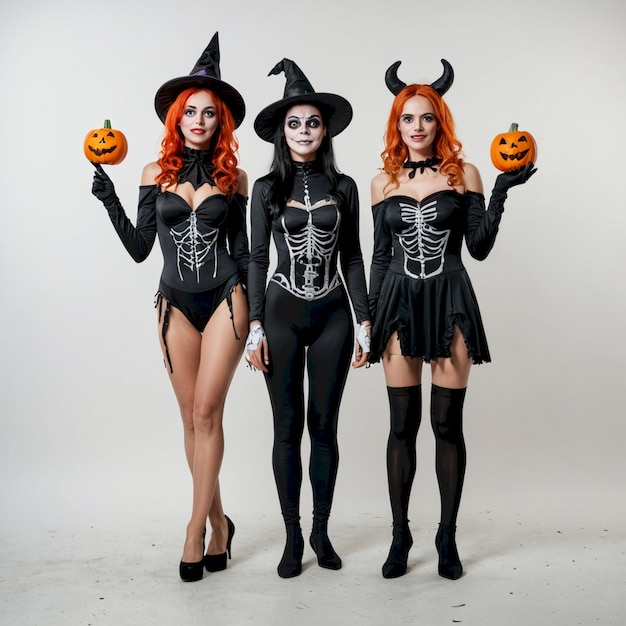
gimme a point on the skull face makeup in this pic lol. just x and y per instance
(304, 131)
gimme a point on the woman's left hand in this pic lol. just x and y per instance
(506, 180)
(256, 351)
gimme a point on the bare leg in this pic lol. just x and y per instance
(204, 365)
(400, 371)
(453, 373)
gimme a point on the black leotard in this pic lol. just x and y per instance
(193, 242)
(205, 251)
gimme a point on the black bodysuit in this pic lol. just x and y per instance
(205, 251)
(419, 287)
(306, 316)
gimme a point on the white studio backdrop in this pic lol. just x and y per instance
(89, 426)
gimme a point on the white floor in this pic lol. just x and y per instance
(518, 572)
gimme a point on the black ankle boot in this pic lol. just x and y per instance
(291, 563)
(326, 555)
(449, 563)
(395, 565)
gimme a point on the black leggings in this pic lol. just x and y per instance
(320, 335)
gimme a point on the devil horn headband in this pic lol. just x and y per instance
(441, 85)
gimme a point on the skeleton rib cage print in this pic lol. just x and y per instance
(194, 247)
(310, 253)
(423, 245)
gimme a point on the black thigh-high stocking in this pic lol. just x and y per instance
(405, 407)
(446, 412)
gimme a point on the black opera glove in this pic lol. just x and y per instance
(103, 187)
(482, 226)
(506, 180)
(138, 240)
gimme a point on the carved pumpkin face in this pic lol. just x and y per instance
(105, 145)
(513, 150)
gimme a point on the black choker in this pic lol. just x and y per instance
(421, 165)
(197, 167)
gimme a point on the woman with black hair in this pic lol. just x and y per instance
(303, 319)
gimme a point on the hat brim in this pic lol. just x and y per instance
(169, 91)
(338, 108)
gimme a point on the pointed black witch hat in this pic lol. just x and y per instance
(298, 90)
(204, 75)
(441, 85)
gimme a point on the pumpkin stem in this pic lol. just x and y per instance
(513, 129)
(107, 124)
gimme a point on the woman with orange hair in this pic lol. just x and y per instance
(194, 198)
(425, 202)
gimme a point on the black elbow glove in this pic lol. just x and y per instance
(103, 188)
(505, 181)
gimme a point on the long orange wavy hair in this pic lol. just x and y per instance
(447, 147)
(224, 145)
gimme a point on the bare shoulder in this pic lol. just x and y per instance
(379, 182)
(471, 178)
(242, 182)
(150, 172)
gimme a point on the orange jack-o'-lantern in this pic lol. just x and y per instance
(105, 145)
(513, 150)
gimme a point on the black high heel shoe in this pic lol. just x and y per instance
(191, 572)
(218, 562)
(395, 565)
(449, 562)
(323, 548)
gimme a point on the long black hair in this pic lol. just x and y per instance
(282, 169)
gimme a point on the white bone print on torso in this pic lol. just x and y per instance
(310, 252)
(422, 244)
(193, 247)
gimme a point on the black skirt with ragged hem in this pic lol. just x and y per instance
(424, 314)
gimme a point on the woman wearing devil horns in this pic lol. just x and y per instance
(425, 201)
(303, 319)
(194, 198)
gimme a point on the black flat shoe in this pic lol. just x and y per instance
(218, 562)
